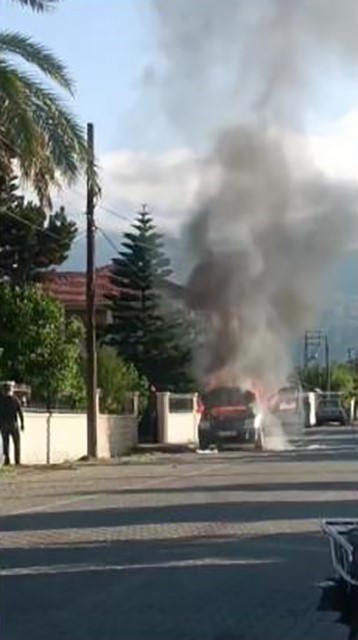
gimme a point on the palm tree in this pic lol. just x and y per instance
(36, 129)
(37, 5)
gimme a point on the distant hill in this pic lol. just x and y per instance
(105, 252)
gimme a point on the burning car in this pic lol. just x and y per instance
(229, 415)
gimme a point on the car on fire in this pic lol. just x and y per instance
(229, 415)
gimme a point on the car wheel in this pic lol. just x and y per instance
(204, 443)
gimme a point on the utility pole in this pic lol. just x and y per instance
(328, 364)
(313, 343)
(91, 303)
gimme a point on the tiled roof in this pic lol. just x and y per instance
(69, 287)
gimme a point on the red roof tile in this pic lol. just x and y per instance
(69, 287)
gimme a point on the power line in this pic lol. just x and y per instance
(30, 224)
(120, 216)
(112, 212)
(113, 245)
(108, 239)
(80, 236)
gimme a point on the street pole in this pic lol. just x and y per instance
(328, 368)
(305, 356)
(91, 304)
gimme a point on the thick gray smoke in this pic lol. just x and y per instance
(266, 231)
(229, 61)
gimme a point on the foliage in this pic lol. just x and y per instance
(342, 378)
(40, 347)
(30, 241)
(116, 380)
(37, 5)
(313, 377)
(36, 128)
(143, 331)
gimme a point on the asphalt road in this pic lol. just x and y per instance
(180, 547)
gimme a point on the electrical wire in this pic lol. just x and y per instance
(135, 271)
(29, 224)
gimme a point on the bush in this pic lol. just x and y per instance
(117, 380)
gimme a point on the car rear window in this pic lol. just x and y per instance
(329, 404)
(227, 397)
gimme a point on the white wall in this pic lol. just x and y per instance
(182, 428)
(35, 439)
(63, 437)
(176, 427)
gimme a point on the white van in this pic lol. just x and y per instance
(289, 407)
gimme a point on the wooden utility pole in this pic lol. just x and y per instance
(91, 304)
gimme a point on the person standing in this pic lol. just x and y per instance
(10, 415)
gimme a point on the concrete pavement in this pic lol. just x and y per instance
(177, 547)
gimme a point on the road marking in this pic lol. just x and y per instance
(80, 568)
(49, 506)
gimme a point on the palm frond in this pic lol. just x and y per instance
(35, 54)
(36, 127)
(38, 5)
(40, 133)
(18, 129)
(65, 138)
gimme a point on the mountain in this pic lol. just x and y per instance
(106, 250)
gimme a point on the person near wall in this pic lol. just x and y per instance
(148, 425)
(10, 416)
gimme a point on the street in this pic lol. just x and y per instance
(176, 547)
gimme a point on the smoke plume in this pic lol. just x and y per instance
(265, 231)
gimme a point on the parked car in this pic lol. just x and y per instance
(289, 406)
(228, 415)
(331, 410)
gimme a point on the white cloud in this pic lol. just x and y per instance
(336, 151)
(169, 181)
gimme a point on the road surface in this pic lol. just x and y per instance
(179, 547)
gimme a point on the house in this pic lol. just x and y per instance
(69, 288)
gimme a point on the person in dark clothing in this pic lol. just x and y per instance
(10, 412)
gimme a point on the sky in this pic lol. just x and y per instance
(108, 46)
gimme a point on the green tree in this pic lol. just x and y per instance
(30, 241)
(314, 377)
(36, 128)
(117, 379)
(143, 331)
(342, 378)
(40, 347)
